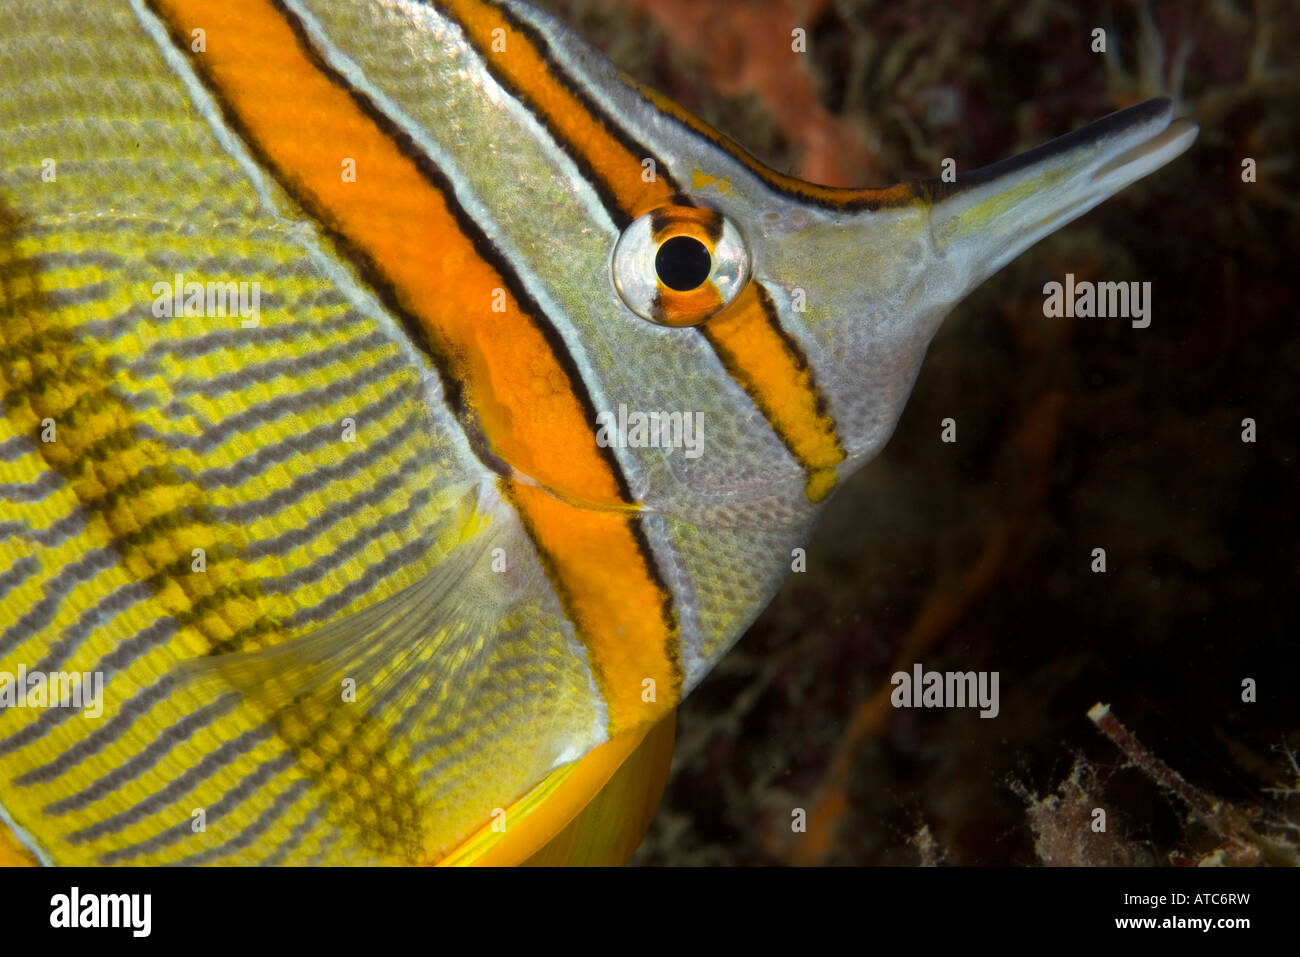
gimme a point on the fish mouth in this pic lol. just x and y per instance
(1158, 137)
(990, 215)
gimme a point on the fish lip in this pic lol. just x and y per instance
(1161, 140)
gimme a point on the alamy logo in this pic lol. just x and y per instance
(133, 912)
(54, 689)
(1098, 300)
(651, 430)
(211, 299)
(946, 689)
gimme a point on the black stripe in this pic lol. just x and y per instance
(865, 201)
(470, 229)
(371, 272)
(361, 260)
(666, 610)
(662, 219)
(374, 276)
(1112, 125)
(621, 215)
(801, 363)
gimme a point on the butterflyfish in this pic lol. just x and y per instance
(403, 410)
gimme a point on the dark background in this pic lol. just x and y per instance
(1072, 434)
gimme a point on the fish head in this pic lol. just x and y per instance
(858, 281)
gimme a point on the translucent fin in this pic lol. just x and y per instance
(424, 625)
(418, 715)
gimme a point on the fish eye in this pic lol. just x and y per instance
(679, 265)
(683, 263)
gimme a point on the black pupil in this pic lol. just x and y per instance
(683, 263)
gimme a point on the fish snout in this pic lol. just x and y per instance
(987, 217)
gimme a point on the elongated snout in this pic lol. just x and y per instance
(989, 216)
(885, 280)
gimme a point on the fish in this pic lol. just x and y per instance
(404, 410)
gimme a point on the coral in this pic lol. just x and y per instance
(1247, 838)
(1064, 824)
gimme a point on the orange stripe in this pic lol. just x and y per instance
(619, 782)
(753, 348)
(12, 852)
(748, 339)
(525, 69)
(834, 196)
(588, 553)
(303, 122)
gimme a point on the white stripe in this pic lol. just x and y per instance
(449, 37)
(683, 150)
(453, 44)
(25, 838)
(306, 235)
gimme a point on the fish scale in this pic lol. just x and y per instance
(363, 582)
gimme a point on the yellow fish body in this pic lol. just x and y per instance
(403, 411)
